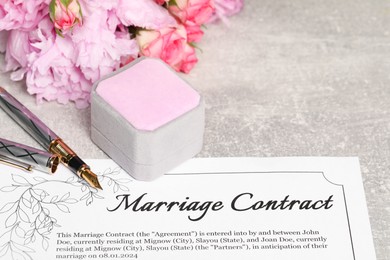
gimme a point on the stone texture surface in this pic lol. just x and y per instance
(284, 78)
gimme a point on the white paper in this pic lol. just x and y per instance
(225, 208)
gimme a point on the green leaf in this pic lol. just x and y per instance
(66, 2)
(172, 2)
(59, 33)
(52, 9)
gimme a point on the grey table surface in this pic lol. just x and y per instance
(284, 78)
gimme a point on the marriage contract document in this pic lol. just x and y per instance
(214, 208)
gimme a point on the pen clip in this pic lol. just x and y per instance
(15, 164)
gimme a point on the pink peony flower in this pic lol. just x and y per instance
(170, 45)
(107, 5)
(225, 8)
(3, 40)
(53, 76)
(64, 68)
(22, 15)
(101, 43)
(17, 50)
(195, 11)
(43, 60)
(65, 14)
(144, 13)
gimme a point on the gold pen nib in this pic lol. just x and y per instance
(90, 177)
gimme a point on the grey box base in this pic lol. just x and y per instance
(146, 155)
(146, 172)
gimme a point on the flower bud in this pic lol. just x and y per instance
(65, 14)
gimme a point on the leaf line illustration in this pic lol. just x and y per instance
(30, 218)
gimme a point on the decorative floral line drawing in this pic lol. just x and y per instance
(31, 219)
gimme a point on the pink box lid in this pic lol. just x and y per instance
(148, 94)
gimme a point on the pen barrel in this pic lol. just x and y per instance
(26, 119)
(38, 159)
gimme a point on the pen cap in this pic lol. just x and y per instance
(147, 118)
(30, 157)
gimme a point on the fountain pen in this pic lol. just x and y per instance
(46, 137)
